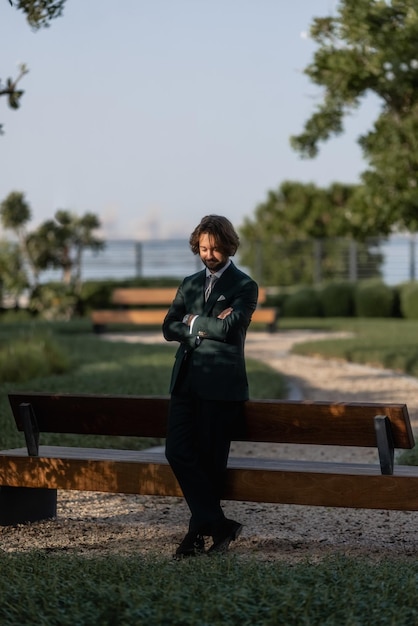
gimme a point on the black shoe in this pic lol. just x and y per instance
(228, 531)
(192, 545)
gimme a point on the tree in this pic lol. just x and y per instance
(13, 279)
(15, 214)
(56, 243)
(370, 47)
(278, 244)
(61, 242)
(38, 14)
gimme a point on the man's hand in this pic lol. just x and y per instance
(223, 314)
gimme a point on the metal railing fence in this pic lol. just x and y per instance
(273, 263)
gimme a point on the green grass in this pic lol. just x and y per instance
(388, 343)
(64, 590)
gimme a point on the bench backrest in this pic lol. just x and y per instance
(144, 295)
(131, 296)
(279, 421)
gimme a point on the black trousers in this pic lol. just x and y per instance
(197, 448)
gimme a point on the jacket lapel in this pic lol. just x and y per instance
(223, 285)
(194, 293)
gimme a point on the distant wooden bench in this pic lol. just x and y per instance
(29, 477)
(148, 306)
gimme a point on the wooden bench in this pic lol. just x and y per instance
(29, 477)
(154, 303)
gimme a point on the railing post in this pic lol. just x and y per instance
(317, 251)
(138, 258)
(258, 262)
(412, 243)
(352, 261)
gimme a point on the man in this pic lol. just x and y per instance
(209, 317)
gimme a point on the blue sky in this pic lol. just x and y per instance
(153, 113)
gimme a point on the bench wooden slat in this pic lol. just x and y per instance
(255, 480)
(143, 295)
(154, 455)
(264, 316)
(280, 421)
(330, 489)
(156, 316)
(84, 414)
(325, 423)
(129, 316)
(155, 295)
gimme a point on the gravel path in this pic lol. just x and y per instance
(92, 523)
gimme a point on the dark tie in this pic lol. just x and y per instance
(208, 290)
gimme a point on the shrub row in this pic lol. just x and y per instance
(368, 298)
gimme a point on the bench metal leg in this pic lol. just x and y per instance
(30, 428)
(20, 505)
(272, 327)
(99, 329)
(385, 445)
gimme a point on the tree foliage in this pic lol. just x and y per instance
(15, 214)
(58, 243)
(370, 46)
(11, 91)
(278, 243)
(38, 14)
(13, 276)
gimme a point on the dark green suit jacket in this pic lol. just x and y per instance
(214, 351)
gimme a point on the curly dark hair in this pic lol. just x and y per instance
(222, 231)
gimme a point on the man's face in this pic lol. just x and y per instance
(211, 255)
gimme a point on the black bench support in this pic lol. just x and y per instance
(21, 505)
(30, 428)
(385, 444)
